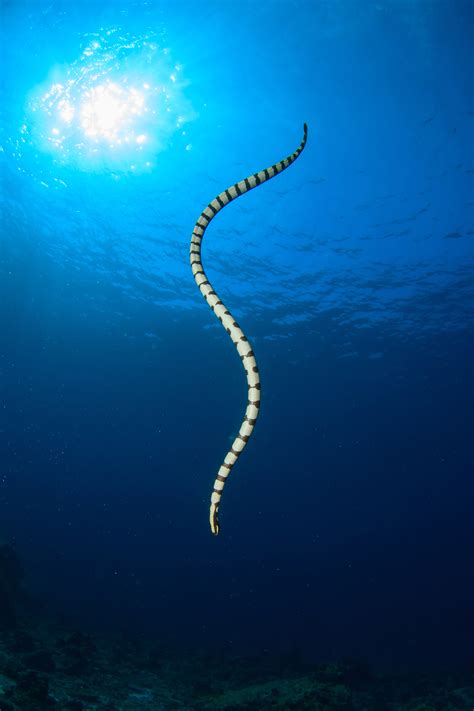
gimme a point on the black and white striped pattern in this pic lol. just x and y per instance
(238, 337)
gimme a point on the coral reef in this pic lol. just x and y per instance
(45, 666)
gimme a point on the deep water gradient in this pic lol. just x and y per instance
(347, 525)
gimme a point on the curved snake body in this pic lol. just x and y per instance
(236, 334)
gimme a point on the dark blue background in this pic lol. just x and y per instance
(347, 526)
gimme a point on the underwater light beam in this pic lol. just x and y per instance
(116, 106)
(110, 112)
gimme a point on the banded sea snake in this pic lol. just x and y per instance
(236, 334)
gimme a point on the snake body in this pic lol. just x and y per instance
(236, 334)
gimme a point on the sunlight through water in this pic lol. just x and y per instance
(117, 106)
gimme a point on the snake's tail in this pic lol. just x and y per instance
(236, 334)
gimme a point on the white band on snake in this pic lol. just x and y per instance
(238, 337)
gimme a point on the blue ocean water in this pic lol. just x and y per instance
(347, 524)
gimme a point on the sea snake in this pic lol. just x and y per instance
(236, 334)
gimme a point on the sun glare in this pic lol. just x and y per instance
(116, 106)
(109, 112)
